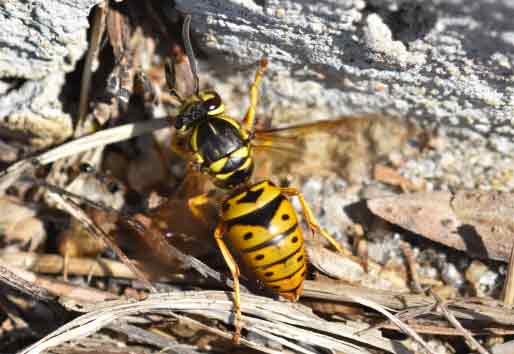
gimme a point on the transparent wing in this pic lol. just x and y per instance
(289, 145)
(293, 132)
(347, 146)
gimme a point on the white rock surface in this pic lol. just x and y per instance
(33, 111)
(441, 61)
(41, 37)
(445, 62)
(40, 41)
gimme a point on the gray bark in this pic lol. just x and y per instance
(40, 41)
(445, 62)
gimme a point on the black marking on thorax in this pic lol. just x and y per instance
(216, 138)
(251, 196)
(259, 217)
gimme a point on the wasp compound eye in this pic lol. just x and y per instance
(179, 122)
(212, 103)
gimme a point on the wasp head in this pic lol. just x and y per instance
(203, 106)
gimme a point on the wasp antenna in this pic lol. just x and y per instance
(189, 50)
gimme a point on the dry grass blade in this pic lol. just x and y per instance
(163, 249)
(403, 326)
(56, 288)
(487, 310)
(451, 318)
(98, 29)
(54, 263)
(9, 277)
(104, 137)
(86, 221)
(491, 312)
(508, 288)
(222, 334)
(266, 316)
(139, 335)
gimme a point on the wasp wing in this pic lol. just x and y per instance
(347, 146)
(279, 149)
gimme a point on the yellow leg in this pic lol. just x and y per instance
(249, 119)
(234, 270)
(311, 219)
(195, 204)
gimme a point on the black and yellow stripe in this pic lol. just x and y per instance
(223, 148)
(262, 226)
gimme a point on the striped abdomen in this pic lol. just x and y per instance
(262, 226)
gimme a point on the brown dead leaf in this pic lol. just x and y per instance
(346, 269)
(477, 222)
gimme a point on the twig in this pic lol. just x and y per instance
(70, 207)
(268, 317)
(98, 29)
(139, 335)
(54, 264)
(101, 138)
(403, 326)
(163, 249)
(451, 318)
(404, 316)
(412, 266)
(55, 288)
(98, 267)
(508, 289)
(11, 279)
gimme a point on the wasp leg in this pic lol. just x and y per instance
(311, 220)
(249, 119)
(195, 204)
(234, 270)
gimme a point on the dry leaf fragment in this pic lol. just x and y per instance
(19, 223)
(392, 177)
(477, 222)
(348, 270)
